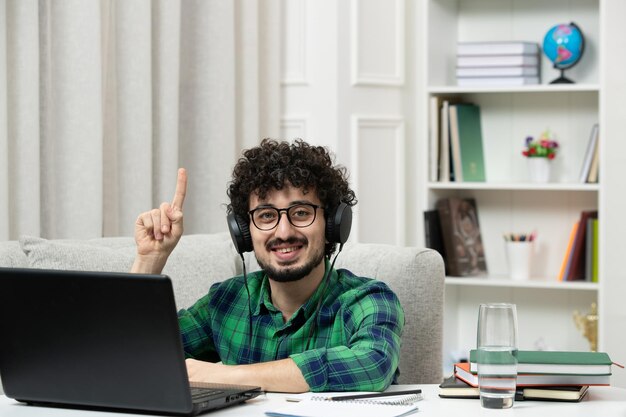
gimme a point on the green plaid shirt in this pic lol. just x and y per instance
(355, 347)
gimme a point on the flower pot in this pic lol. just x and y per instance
(539, 169)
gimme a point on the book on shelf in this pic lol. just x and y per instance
(510, 63)
(460, 229)
(518, 71)
(496, 81)
(434, 127)
(594, 256)
(455, 145)
(444, 144)
(462, 371)
(556, 362)
(488, 48)
(592, 149)
(466, 143)
(593, 169)
(576, 270)
(432, 233)
(453, 387)
(589, 244)
(566, 264)
(452, 173)
(498, 61)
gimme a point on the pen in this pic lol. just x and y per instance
(374, 395)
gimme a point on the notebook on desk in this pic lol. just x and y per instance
(388, 404)
(98, 340)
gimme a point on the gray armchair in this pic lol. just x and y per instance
(416, 275)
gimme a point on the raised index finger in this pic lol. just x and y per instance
(181, 189)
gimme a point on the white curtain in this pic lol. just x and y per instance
(102, 100)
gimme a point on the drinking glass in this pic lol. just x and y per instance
(497, 354)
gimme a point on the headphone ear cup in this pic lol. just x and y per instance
(338, 224)
(240, 233)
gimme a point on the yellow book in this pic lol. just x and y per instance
(568, 251)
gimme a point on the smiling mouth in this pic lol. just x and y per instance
(287, 250)
(285, 246)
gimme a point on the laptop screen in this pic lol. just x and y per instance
(92, 339)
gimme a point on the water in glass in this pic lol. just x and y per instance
(497, 374)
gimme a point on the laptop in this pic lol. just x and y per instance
(99, 340)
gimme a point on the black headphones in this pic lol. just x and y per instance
(338, 224)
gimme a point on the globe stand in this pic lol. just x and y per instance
(562, 79)
(555, 46)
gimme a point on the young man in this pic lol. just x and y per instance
(298, 324)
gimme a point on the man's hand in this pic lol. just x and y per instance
(279, 376)
(158, 231)
(199, 371)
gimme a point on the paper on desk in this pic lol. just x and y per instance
(314, 408)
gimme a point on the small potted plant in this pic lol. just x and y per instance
(539, 153)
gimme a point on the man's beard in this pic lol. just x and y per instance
(287, 273)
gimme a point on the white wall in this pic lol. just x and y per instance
(347, 84)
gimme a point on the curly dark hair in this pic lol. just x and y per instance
(273, 164)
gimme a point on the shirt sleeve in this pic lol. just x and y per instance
(373, 322)
(196, 332)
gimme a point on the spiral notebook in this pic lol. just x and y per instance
(321, 406)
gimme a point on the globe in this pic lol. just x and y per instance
(564, 45)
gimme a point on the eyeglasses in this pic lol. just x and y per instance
(299, 215)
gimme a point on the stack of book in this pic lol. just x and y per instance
(542, 375)
(497, 63)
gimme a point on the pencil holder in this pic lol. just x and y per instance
(519, 257)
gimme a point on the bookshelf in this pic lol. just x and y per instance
(507, 201)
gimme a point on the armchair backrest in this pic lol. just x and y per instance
(417, 277)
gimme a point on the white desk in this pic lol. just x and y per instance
(600, 401)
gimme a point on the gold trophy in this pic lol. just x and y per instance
(588, 325)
